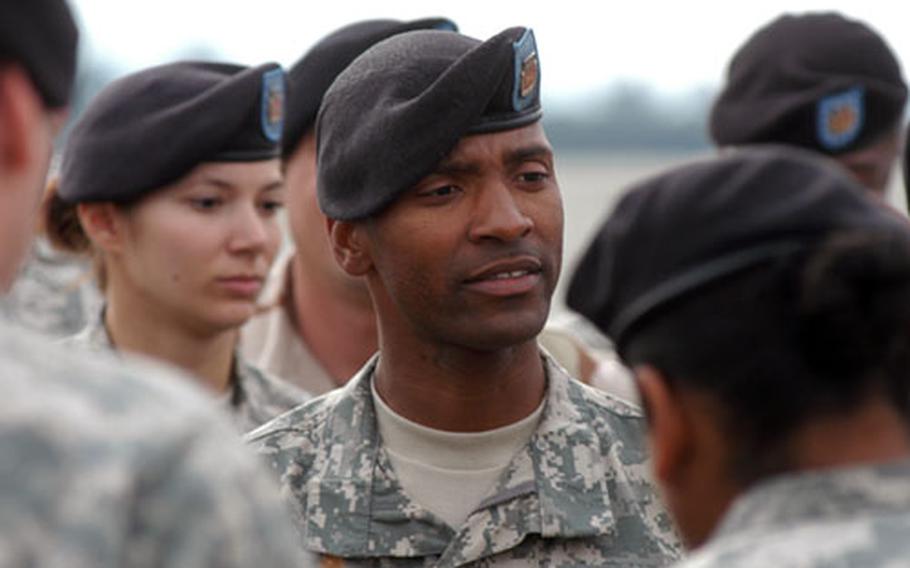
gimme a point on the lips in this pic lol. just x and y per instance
(246, 286)
(506, 277)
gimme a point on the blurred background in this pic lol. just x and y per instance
(626, 85)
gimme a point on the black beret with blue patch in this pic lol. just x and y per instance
(311, 76)
(149, 129)
(41, 36)
(818, 80)
(673, 234)
(403, 105)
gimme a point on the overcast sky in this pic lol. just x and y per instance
(673, 46)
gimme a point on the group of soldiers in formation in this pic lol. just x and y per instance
(387, 391)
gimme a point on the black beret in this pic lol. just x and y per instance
(819, 81)
(149, 129)
(41, 36)
(683, 229)
(310, 77)
(401, 107)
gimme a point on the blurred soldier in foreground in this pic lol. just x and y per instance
(103, 465)
(319, 327)
(819, 81)
(770, 336)
(460, 443)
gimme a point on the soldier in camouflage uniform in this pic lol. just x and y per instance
(106, 465)
(255, 396)
(53, 293)
(103, 465)
(461, 443)
(770, 335)
(182, 239)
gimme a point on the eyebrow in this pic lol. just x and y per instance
(226, 185)
(511, 158)
(519, 155)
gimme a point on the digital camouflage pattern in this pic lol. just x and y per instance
(857, 517)
(578, 494)
(107, 465)
(255, 398)
(54, 293)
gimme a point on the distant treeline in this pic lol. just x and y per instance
(629, 116)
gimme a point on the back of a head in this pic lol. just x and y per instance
(37, 67)
(41, 36)
(769, 273)
(818, 80)
(310, 77)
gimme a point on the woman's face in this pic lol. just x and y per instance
(199, 250)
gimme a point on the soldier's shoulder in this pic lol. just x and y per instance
(277, 391)
(94, 385)
(300, 428)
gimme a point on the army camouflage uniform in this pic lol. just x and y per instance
(578, 494)
(54, 293)
(106, 465)
(857, 517)
(255, 398)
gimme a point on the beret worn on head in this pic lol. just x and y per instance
(819, 81)
(149, 129)
(681, 230)
(401, 107)
(41, 36)
(310, 77)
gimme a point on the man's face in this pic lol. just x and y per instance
(307, 222)
(470, 255)
(872, 166)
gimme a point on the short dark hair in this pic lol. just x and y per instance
(809, 334)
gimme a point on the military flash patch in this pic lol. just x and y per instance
(527, 72)
(273, 104)
(840, 118)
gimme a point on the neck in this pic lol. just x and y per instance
(336, 323)
(461, 390)
(208, 357)
(873, 433)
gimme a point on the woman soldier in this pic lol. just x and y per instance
(171, 181)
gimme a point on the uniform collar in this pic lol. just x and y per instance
(840, 493)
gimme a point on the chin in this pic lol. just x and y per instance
(231, 316)
(509, 332)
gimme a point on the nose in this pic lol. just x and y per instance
(498, 215)
(249, 232)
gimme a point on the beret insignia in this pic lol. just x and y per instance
(527, 71)
(840, 118)
(273, 104)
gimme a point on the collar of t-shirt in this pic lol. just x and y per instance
(449, 473)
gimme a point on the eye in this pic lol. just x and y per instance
(206, 203)
(270, 206)
(440, 194)
(533, 177)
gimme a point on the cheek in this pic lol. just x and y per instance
(273, 241)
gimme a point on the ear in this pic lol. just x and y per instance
(103, 224)
(669, 428)
(21, 112)
(350, 246)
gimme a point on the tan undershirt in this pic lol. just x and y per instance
(449, 473)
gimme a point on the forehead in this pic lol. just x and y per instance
(234, 173)
(497, 146)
